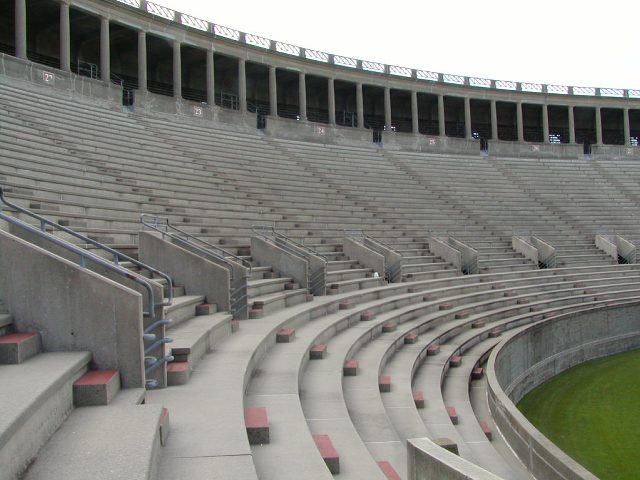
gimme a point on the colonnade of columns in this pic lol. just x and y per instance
(65, 64)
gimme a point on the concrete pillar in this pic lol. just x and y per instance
(359, 105)
(467, 118)
(627, 128)
(415, 126)
(273, 91)
(177, 70)
(142, 61)
(519, 122)
(242, 84)
(332, 101)
(387, 109)
(441, 119)
(494, 120)
(572, 128)
(211, 91)
(105, 51)
(302, 93)
(545, 124)
(65, 38)
(21, 28)
(598, 126)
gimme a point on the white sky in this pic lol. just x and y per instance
(569, 42)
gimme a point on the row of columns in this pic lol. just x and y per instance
(65, 64)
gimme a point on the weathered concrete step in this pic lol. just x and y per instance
(425, 267)
(420, 259)
(18, 347)
(36, 398)
(255, 288)
(352, 274)
(258, 273)
(354, 285)
(417, 276)
(490, 268)
(267, 304)
(336, 265)
(96, 387)
(89, 442)
(195, 337)
(182, 308)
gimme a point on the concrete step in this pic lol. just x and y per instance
(96, 387)
(256, 288)
(352, 274)
(425, 267)
(267, 304)
(182, 308)
(91, 444)
(36, 399)
(18, 347)
(353, 285)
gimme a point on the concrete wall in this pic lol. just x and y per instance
(607, 244)
(57, 82)
(520, 245)
(391, 258)
(198, 275)
(546, 253)
(534, 355)
(73, 309)
(367, 257)
(428, 461)
(284, 262)
(440, 248)
(626, 249)
(469, 256)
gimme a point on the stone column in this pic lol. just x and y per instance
(65, 38)
(627, 128)
(302, 94)
(519, 122)
(211, 90)
(494, 120)
(598, 126)
(273, 91)
(441, 119)
(415, 125)
(177, 70)
(105, 51)
(359, 105)
(467, 118)
(21, 29)
(332, 101)
(387, 109)
(142, 61)
(572, 128)
(545, 124)
(242, 84)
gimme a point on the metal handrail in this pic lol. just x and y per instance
(117, 256)
(85, 255)
(391, 271)
(261, 230)
(316, 279)
(162, 225)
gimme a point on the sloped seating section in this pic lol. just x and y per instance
(308, 386)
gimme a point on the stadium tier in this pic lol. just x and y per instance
(227, 257)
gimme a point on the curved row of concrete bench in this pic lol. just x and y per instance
(275, 377)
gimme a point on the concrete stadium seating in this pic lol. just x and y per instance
(233, 385)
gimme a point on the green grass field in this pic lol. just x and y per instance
(592, 412)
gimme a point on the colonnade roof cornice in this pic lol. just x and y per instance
(158, 20)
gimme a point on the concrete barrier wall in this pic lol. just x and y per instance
(73, 308)
(428, 461)
(198, 275)
(607, 244)
(534, 355)
(520, 245)
(284, 262)
(626, 249)
(367, 257)
(391, 258)
(469, 256)
(546, 253)
(440, 248)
